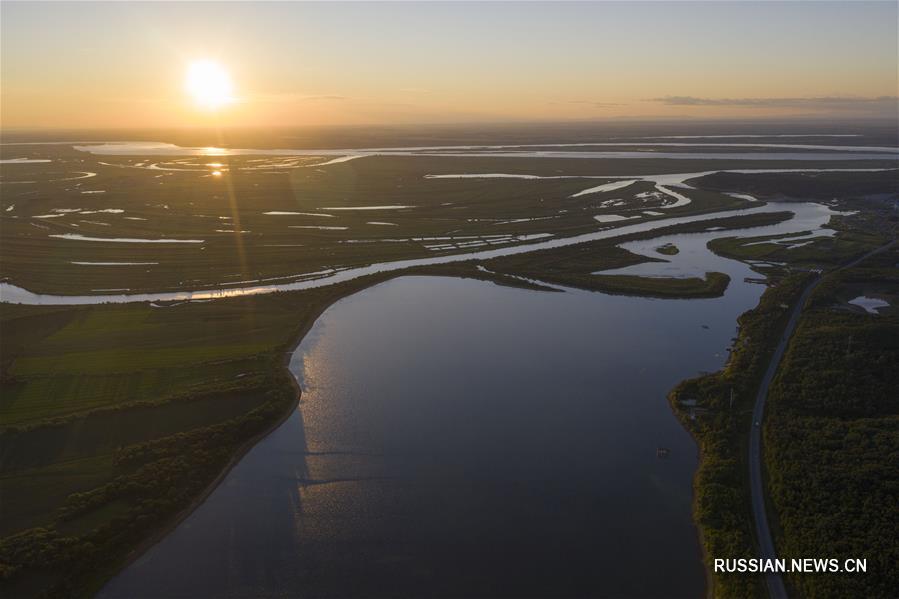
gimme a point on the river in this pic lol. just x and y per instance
(458, 438)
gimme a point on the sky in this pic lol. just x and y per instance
(123, 64)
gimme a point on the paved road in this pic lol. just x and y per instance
(774, 581)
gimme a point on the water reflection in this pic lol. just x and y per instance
(462, 439)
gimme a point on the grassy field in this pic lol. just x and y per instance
(98, 358)
(807, 186)
(826, 251)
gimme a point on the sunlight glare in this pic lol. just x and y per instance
(209, 84)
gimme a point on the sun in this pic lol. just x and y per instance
(209, 84)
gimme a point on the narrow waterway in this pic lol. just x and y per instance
(14, 294)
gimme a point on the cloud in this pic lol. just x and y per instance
(290, 97)
(592, 103)
(826, 102)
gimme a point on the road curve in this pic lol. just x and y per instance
(773, 580)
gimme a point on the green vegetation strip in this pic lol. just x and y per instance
(717, 410)
(821, 251)
(831, 437)
(713, 285)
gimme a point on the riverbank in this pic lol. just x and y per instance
(716, 409)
